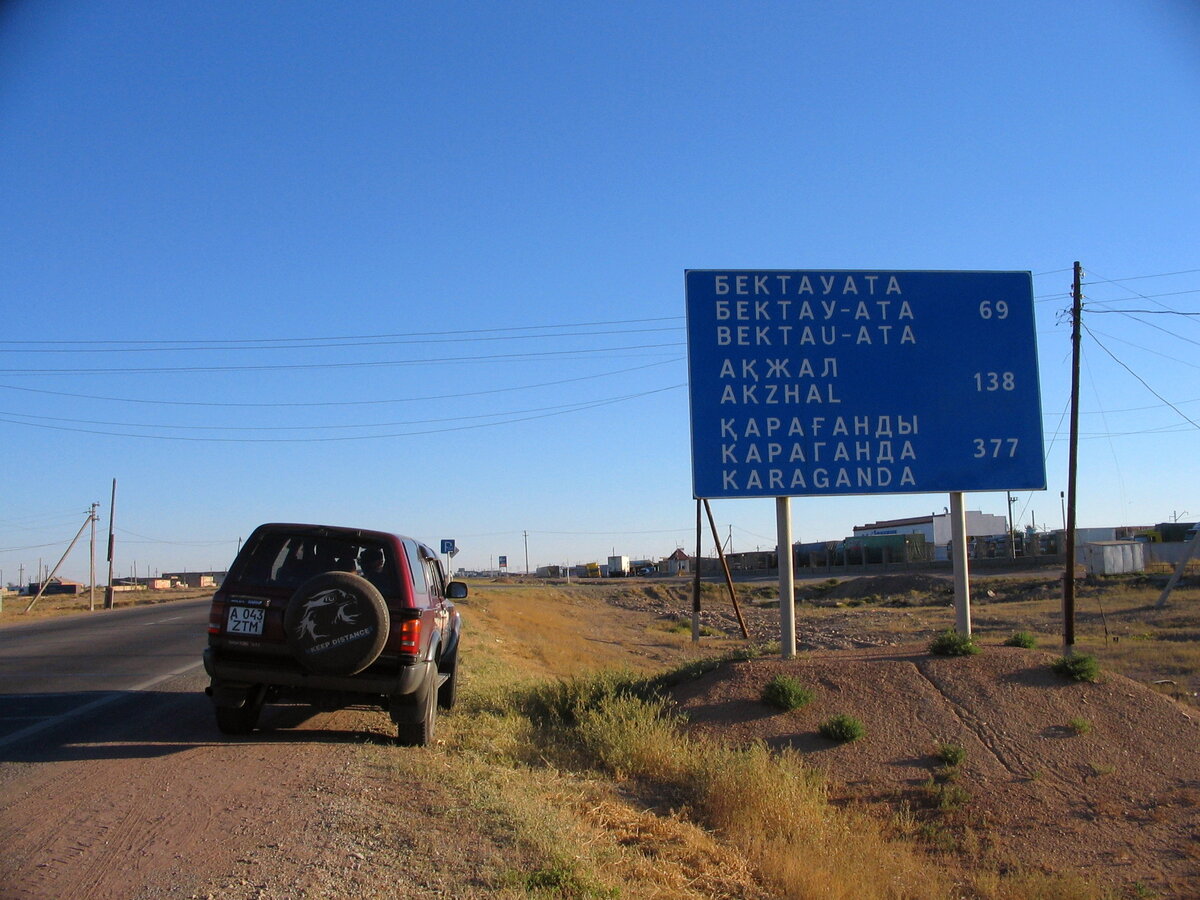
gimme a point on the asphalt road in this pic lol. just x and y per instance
(75, 671)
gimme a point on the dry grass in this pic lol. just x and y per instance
(704, 804)
(560, 737)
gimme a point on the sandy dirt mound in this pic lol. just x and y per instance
(888, 588)
(1118, 803)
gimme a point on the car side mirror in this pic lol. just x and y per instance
(456, 590)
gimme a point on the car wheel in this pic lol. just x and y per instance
(241, 719)
(448, 692)
(336, 624)
(420, 733)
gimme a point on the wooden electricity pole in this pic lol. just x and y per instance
(92, 567)
(109, 601)
(1072, 466)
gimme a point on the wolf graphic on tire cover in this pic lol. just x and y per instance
(307, 626)
(336, 623)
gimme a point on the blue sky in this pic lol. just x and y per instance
(419, 266)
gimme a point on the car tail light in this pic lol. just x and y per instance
(410, 636)
(216, 615)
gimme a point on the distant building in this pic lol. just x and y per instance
(678, 563)
(936, 528)
(153, 582)
(195, 579)
(55, 586)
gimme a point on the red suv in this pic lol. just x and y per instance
(334, 617)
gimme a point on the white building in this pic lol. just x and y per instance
(936, 528)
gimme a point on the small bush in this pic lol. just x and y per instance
(684, 626)
(1022, 639)
(560, 880)
(1082, 667)
(950, 754)
(946, 797)
(1080, 725)
(786, 692)
(842, 728)
(951, 643)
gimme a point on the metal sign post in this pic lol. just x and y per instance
(450, 551)
(958, 547)
(787, 579)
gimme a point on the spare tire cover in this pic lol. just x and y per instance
(336, 624)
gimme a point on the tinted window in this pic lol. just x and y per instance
(435, 576)
(417, 567)
(279, 559)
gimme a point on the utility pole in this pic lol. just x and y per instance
(92, 576)
(1012, 535)
(112, 509)
(526, 534)
(1072, 465)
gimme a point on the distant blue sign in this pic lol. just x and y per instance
(448, 546)
(827, 382)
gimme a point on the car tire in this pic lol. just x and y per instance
(448, 691)
(336, 623)
(242, 719)
(420, 732)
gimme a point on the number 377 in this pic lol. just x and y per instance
(995, 448)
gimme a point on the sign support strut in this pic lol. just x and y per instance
(787, 580)
(962, 584)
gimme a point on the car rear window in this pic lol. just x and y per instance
(288, 560)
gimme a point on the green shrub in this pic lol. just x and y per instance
(1080, 725)
(786, 692)
(951, 643)
(951, 754)
(1081, 667)
(842, 728)
(559, 879)
(1022, 639)
(947, 797)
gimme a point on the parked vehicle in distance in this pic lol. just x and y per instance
(334, 617)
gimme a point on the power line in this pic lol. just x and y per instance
(1150, 349)
(308, 343)
(346, 403)
(442, 360)
(1143, 382)
(1104, 280)
(565, 407)
(343, 438)
(399, 337)
(1128, 409)
(1150, 312)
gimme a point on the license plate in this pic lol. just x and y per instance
(245, 620)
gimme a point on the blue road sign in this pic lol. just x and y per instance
(827, 382)
(448, 545)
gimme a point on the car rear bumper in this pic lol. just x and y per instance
(386, 677)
